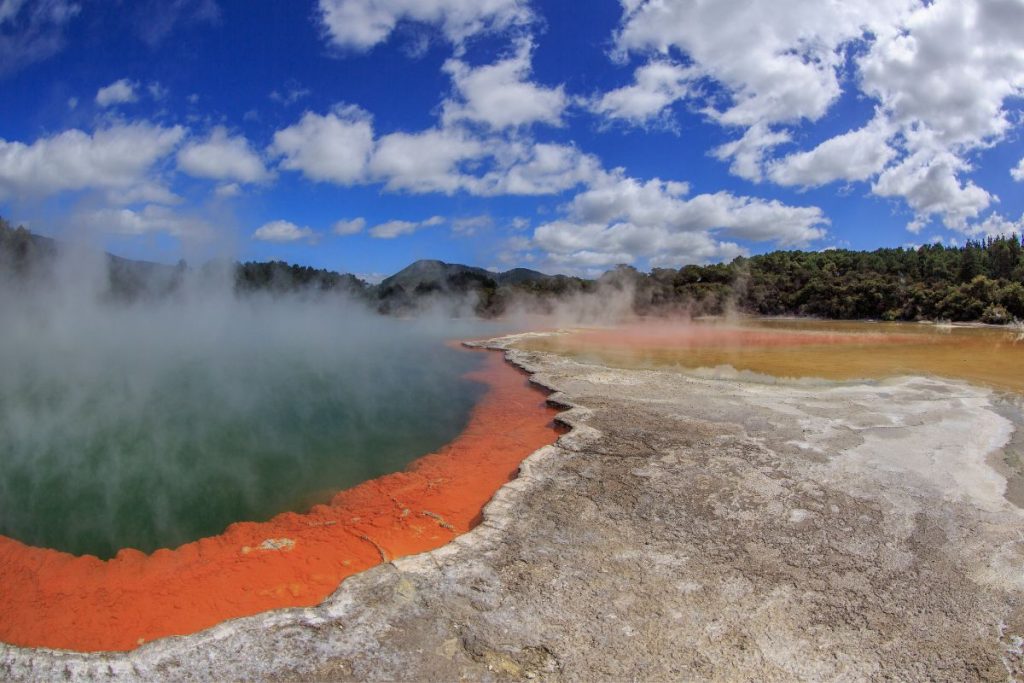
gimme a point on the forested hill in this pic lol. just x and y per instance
(981, 281)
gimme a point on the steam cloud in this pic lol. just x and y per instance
(150, 424)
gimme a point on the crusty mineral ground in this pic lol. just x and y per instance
(687, 528)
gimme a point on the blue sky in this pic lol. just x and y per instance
(359, 135)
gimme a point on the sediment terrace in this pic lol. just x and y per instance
(686, 528)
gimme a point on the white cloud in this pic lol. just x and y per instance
(500, 94)
(748, 152)
(780, 60)
(529, 168)
(293, 92)
(471, 225)
(150, 219)
(283, 231)
(143, 192)
(118, 92)
(155, 20)
(623, 220)
(587, 246)
(1017, 173)
(656, 86)
(658, 203)
(334, 147)
(928, 182)
(118, 157)
(157, 90)
(349, 227)
(340, 147)
(944, 80)
(428, 161)
(392, 229)
(996, 225)
(951, 69)
(228, 190)
(856, 155)
(223, 157)
(361, 24)
(9, 9)
(940, 72)
(32, 30)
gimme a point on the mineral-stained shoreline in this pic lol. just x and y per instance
(686, 528)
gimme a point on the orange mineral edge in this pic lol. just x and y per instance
(54, 599)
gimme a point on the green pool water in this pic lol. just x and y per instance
(148, 432)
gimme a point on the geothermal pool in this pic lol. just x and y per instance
(145, 445)
(168, 467)
(804, 349)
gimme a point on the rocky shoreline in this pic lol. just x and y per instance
(685, 528)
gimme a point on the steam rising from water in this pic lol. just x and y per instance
(151, 424)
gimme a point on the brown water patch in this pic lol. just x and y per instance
(798, 349)
(57, 600)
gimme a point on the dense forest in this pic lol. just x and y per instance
(980, 281)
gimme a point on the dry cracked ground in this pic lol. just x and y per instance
(686, 529)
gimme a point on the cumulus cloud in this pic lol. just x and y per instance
(223, 157)
(657, 203)
(929, 183)
(349, 227)
(941, 74)
(780, 60)
(856, 155)
(149, 219)
(996, 225)
(32, 31)
(951, 69)
(341, 147)
(334, 147)
(590, 247)
(747, 154)
(118, 157)
(623, 220)
(361, 24)
(1017, 173)
(118, 92)
(500, 95)
(282, 232)
(945, 80)
(533, 168)
(393, 229)
(428, 161)
(656, 85)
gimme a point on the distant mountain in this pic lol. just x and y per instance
(518, 276)
(438, 275)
